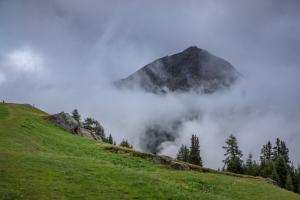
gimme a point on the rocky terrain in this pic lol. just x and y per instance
(193, 69)
(68, 123)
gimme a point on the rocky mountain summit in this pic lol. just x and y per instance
(192, 69)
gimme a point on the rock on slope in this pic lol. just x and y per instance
(192, 69)
(67, 122)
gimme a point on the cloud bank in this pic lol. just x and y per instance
(60, 55)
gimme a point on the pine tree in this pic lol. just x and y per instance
(88, 123)
(274, 175)
(268, 170)
(266, 152)
(282, 170)
(293, 172)
(110, 139)
(76, 115)
(297, 182)
(233, 156)
(183, 153)
(98, 129)
(289, 183)
(93, 125)
(126, 144)
(195, 157)
(280, 149)
(251, 167)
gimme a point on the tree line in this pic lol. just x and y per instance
(94, 126)
(274, 161)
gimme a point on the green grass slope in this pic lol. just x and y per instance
(41, 161)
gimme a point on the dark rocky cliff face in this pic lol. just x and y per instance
(192, 69)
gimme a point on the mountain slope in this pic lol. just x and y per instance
(192, 69)
(41, 161)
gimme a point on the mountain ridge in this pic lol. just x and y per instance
(193, 69)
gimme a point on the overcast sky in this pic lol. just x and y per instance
(62, 54)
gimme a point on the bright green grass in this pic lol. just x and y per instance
(40, 161)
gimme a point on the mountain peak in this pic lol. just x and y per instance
(192, 69)
(192, 49)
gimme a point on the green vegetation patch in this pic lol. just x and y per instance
(41, 161)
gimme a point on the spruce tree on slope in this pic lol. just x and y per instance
(280, 149)
(268, 170)
(126, 144)
(195, 157)
(289, 183)
(251, 167)
(282, 170)
(233, 156)
(266, 152)
(110, 139)
(76, 115)
(183, 153)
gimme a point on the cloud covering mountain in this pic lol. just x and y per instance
(64, 54)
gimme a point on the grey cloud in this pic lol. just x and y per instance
(85, 45)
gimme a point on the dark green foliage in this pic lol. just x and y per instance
(41, 161)
(266, 152)
(280, 149)
(282, 170)
(268, 170)
(76, 115)
(93, 125)
(293, 173)
(251, 167)
(183, 154)
(110, 139)
(289, 183)
(195, 157)
(296, 179)
(126, 144)
(233, 156)
(88, 123)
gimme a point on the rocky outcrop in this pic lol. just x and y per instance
(192, 69)
(68, 123)
(87, 133)
(65, 121)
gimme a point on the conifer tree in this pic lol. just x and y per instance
(76, 115)
(110, 139)
(126, 144)
(297, 180)
(282, 170)
(93, 125)
(195, 157)
(233, 156)
(268, 170)
(280, 149)
(266, 152)
(274, 175)
(251, 167)
(183, 153)
(88, 123)
(289, 183)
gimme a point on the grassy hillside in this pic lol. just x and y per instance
(40, 161)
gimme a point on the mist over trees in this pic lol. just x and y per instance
(94, 126)
(274, 161)
(126, 144)
(191, 155)
(233, 156)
